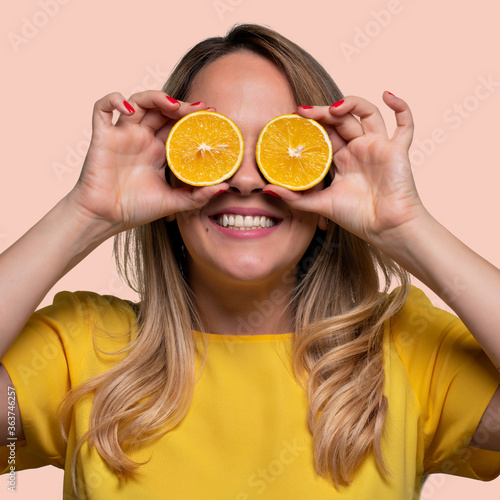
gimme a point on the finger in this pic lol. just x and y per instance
(158, 105)
(369, 115)
(163, 131)
(347, 126)
(312, 200)
(102, 116)
(337, 141)
(190, 198)
(404, 119)
(155, 119)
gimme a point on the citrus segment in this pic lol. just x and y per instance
(204, 148)
(293, 152)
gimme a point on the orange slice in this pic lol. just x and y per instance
(293, 152)
(204, 148)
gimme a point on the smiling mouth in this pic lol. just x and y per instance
(245, 222)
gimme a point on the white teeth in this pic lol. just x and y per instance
(238, 221)
(246, 222)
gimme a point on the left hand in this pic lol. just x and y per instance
(373, 194)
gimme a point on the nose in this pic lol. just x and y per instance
(248, 178)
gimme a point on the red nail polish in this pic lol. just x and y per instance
(210, 109)
(172, 100)
(306, 107)
(196, 103)
(390, 93)
(337, 104)
(272, 193)
(130, 109)
(218, 193)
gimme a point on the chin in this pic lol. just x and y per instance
(256, 272)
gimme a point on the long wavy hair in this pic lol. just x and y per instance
(339, 307)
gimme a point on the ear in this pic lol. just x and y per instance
(323, 223)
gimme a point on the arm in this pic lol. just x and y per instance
(125, 160)
(373, 195)
(32, 265)
(469, 285)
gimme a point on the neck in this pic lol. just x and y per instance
(230, 308)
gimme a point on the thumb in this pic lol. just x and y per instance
(312, 200)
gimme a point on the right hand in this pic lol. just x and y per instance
(122, 183)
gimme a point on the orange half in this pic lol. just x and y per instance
(294, 152)
(204, 148)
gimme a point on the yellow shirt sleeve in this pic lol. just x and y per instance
(454, 382)
(53, 353)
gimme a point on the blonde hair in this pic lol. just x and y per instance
(340, 306)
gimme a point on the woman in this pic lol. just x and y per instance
(395, 389)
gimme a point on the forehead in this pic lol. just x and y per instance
(241, 81)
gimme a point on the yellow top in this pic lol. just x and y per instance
(245, 435)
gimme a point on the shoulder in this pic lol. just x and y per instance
(79, 333)
(435, 346)
(88, 309)
(419, 326)
(76, 323)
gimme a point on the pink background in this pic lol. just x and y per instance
(60, 56)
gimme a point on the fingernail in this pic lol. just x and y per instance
(337, 104)
(196, 103)
(210, 108)
(218, 193)
(130, 109)
(172, 100)
(390, 93)
(295, 113)
(272, 193)
(306, 107)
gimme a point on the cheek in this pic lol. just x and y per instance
(190, 226)
(306, 226)
(308, 223)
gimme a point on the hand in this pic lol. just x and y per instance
(373, 194)
(123, 177)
